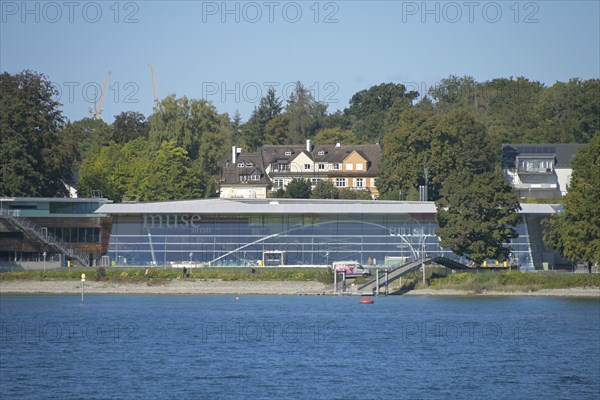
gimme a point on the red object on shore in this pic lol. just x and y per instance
(366, 300)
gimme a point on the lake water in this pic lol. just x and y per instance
(279, 347)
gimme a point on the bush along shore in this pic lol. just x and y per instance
(499, 282)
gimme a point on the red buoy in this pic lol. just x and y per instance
(366, 300)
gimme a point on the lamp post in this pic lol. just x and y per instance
(44, 254)
(423, 258)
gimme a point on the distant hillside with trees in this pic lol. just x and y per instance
(176, 152)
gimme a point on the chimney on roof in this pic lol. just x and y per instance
(235, 151)
(338, 145)
(309, 146)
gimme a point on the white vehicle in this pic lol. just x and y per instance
(351, 268)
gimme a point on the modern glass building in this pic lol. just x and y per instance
(294, 232)
(38, 228)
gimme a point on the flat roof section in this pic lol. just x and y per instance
(57, 199)
(291, 206)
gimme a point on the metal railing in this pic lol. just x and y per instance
(41, 234)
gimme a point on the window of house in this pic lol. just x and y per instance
(337, 166)
(249, 164)
(306, 166)
(340, 182)
(282, 166)
(321, 152)
(359, 182)
(360, 167)
(349, 167)
(321, 166)
(288, 153)
(278, 182)
(240, 165)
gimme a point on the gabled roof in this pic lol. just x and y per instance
(332, 153)
(231, 172)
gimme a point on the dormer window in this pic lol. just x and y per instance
(240, 165)
(249, 165)
(321, 152)
(288, 152)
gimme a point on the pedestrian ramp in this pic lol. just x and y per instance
(396, 272)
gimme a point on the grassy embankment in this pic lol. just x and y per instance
(164, 275)
(500, 281)
(437, 278)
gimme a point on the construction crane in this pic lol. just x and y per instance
(154, 88)
(99, 105)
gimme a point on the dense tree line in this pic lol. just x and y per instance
(452, 135)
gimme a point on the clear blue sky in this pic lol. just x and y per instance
(228, 53)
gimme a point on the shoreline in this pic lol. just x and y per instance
(587, 292)
(215, 286)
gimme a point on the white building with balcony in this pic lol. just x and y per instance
(540, 171)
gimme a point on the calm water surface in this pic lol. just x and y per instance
(276, 347)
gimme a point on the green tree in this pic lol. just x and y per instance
(305, 115)
(189, 122)
(476, 215)
(236, 126)
(129, 125)
(81, 136)
(99, 171)
(369, 108)
(336, 135)
(405, 152)
(441, 144)
(355, 194)
(279, 193)
(254, 131)
(325, 190)
(575, 233)
(508, 107)
(136, 169)
(454, 92)
(298, 189)
(276, 130)
(568, 112)
(338, 120)
(170, 176)
(34, 160)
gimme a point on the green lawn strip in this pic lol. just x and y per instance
(133, 275)
(514, 281)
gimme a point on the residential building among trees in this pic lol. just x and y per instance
(253, 175)
(540, 171)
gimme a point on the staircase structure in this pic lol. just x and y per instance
(39, 234)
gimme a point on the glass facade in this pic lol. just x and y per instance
(76, 235)
(304, 239)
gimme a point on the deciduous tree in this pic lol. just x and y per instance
(325, 190)
(369, 108)
(129, 125)
(476, 215)
(34, 162)
(298, 189)
(575, 233)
